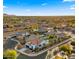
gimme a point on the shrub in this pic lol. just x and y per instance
(10, 54)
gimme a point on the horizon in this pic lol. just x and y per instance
(35, 15)
(39, 8)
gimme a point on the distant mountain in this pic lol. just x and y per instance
(8, 15)
(5, 14)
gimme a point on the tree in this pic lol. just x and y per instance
(10, 54)
(55, 52)
(34, 26)
(52, 36)
(58, 57)
(73, 43)
(66, 48)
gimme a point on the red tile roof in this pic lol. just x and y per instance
(35, 41)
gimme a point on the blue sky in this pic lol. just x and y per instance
(39, 7)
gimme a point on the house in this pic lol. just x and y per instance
(40, 31)
(5, 30)
(17, 25)
(61, 35)
(5, 26)
(36, 43)
(32, 44)
(44, 42)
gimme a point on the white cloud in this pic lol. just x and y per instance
(44, 4)
(72, 7)
(68, 0)
(5, 7)
(28, 10)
